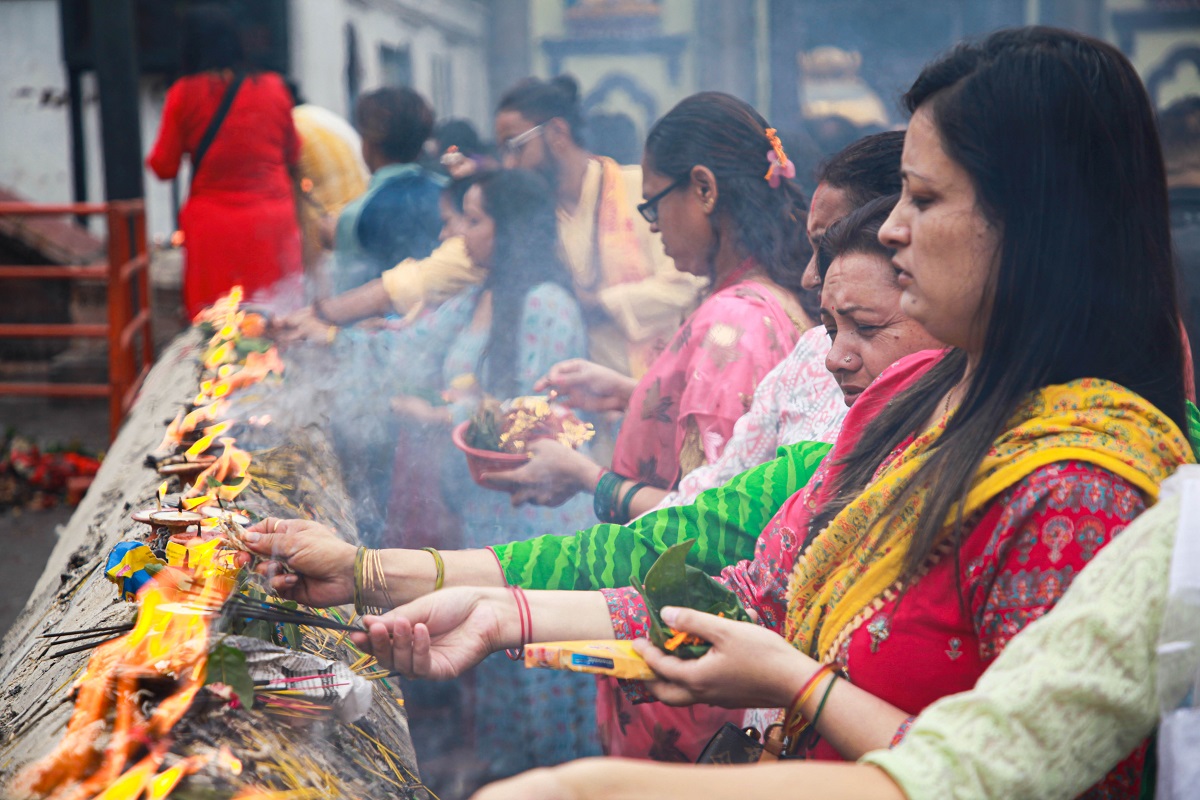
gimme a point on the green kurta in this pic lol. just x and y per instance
(725, 521)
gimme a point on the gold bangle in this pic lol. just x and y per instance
(359, 557)
(440, 580)
(330, 334)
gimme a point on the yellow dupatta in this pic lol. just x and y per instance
(620, 257)
(859, 557)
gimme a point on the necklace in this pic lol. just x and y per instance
(950, 394)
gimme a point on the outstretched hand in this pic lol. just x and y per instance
(300, 326)
(440, 635)
(321, 564)
(587, 386)
(747, 666)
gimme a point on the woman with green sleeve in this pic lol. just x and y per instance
(1070, 696)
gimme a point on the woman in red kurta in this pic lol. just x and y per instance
(239, 222)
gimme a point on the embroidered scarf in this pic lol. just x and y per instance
(860, 555)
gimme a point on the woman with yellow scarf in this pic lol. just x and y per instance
(967, 489)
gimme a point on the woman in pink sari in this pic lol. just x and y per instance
(717, 187)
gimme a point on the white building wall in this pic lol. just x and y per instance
(35, 149)
(35, 156)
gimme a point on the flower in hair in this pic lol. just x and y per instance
(781, 165)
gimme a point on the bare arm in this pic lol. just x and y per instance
(361, 302)
(617, 779)
(443, 634)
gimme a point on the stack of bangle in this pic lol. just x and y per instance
(526, 617)
(794, 722)
(608, 503)
(369, 576)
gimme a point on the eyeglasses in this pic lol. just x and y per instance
(513, 146)
(649, 209)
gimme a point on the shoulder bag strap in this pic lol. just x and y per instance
(214, 124)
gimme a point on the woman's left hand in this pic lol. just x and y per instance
(747, 667)
(419, 410)
(554, 475)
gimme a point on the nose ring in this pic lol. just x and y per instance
(847, 359)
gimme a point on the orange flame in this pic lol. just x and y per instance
(162, 644)
(232, 465)
(204, 442)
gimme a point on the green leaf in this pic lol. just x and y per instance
(671, 581)
(227, 665)
(292, 637)
(253, 345)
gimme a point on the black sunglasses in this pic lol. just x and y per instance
(649, 209)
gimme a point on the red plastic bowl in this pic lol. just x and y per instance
(481, 461)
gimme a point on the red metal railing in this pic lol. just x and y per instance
(126, 272)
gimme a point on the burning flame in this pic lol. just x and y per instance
(163, 644)
(210, 434)
(231, 470)
(183, 424)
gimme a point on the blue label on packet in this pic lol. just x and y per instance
(581, 660)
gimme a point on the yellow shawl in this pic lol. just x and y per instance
(619, 254)
(859, 557)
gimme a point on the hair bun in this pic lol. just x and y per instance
(568, 85)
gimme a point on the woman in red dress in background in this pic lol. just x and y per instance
(239, 222)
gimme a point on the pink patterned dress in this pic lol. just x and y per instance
(702, 383)
(688, 402)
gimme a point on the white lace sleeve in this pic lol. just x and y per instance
(797, 401)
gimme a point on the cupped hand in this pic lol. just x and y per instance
(321, 564)
(554, 475)
(747, 666)
(587, 386)
(440, 635)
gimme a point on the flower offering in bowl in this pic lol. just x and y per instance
(496, 437)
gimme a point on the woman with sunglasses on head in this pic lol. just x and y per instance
(968, 504)
(718, 189)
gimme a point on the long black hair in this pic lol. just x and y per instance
(524, 254)
(1057, 134)
(209, 40)
(857, 232)
(866, 168)
(727, 135)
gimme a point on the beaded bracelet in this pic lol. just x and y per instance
(440, 580)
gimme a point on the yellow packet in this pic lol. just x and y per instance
(613, 657)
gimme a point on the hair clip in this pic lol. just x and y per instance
(781, 166)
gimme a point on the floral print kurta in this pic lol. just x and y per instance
(702, 383)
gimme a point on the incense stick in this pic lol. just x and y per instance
(89, 632)
(80, 648)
